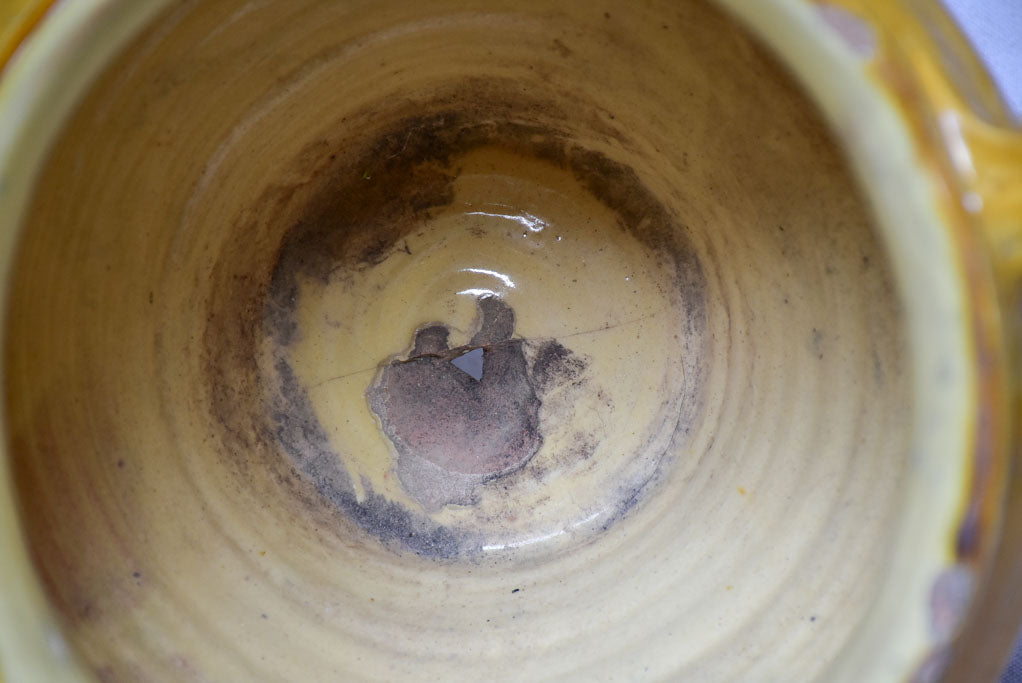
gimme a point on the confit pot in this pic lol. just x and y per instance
(506, 340)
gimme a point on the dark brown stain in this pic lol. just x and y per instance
(471, 430)
(432, 410)
(555, 364)
(560, 48)
(306, 444)
(399, 179)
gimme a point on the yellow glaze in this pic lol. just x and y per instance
(756, 342)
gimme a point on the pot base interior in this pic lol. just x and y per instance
(387, 341)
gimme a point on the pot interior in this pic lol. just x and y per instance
(453, 340)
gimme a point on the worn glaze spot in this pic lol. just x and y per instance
(471, 428)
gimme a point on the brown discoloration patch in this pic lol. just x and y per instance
(431, 340)
(556, 364)
(473, 429)
(431, 409)
(381, 197)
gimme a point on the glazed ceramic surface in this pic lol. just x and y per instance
(514, 340)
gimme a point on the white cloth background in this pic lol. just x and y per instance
(995, 29)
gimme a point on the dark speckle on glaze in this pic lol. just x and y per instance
(554, 363)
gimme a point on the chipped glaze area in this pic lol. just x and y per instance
(455, 424)
(435, 405)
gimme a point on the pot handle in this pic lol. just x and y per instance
(968, 118)
(953, 106)
(994, 189)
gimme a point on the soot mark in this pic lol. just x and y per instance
(353, 211)
(385, 188)
(555, 364)
(452, 431)
(306, 442)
